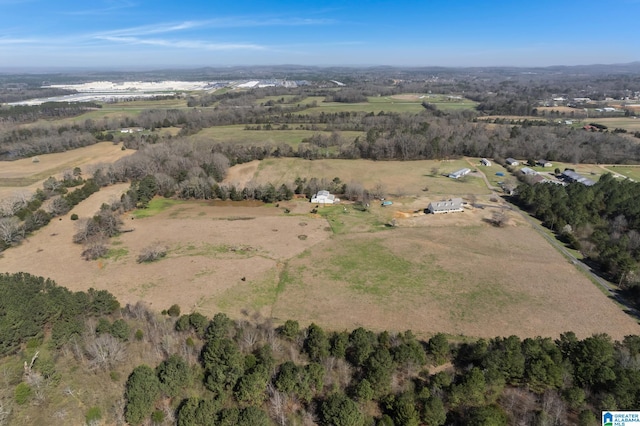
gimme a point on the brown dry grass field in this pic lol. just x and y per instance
(25, 175)
(341, 267)
(398, 178)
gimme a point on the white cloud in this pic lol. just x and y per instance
(185, 44)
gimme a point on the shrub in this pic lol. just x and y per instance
(74, 216)
(94, 250)
(157, 417)
(93, 415)
(174, 311)
(22, 393)
(120, 329)
(290, 329)
(139, 335)
(152, 253)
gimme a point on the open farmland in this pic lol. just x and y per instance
(629, 124)
(341, 267)
(411, 103)
(25, 174)
(415, 178)
(240, 135)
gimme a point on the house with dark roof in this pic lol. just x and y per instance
(512, 161)
(571, 176)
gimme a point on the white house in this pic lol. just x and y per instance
(528, 171)
(445, 206)
(485, 162)
(459, 173)
(324, 197)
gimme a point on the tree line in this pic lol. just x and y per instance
(602, 221)
(199, 371)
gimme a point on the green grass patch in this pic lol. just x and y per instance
(157, 205)
(239, 134)
(116, 253)
(348, 219)
(371, 268)
(254, 295)
(473, 302)
(631, 172)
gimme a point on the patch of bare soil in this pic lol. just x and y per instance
(242, 174)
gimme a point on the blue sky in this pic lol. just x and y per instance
(140, 34)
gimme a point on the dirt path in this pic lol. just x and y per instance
(481, 173)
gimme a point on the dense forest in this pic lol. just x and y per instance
(201, 371)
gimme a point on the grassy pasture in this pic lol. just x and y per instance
(630, 124)
(632, 172)
(24, 174)
(341, 267)
(411, 103)
(396, 177)
(238, 134)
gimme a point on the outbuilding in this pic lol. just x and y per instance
(459, 173)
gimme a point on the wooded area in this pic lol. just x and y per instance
(249, 372)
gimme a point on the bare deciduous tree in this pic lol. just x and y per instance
(277, 404)
(11, 230)
(104, 351)
(151, 253)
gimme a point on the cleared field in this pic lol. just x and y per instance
(238, 134)
(341, 268)
(630, 124)
(396, 178)
(24, 174)
(631, 172)
(396, 103)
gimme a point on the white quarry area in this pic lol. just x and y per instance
(131, 86)
(109, 91)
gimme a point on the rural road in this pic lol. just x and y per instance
(609, 289)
